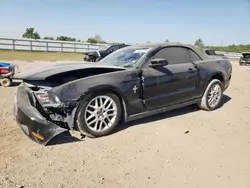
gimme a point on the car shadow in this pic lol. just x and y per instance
(15, 83)
(169, 114)
(63, 138)
(225, 100)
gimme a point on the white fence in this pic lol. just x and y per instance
(46, 45)
(63, 46)
(230, 55)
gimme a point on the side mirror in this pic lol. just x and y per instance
(158, 62)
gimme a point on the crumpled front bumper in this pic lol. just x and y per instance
(30, 120)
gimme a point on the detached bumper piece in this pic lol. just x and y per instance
(30, 120)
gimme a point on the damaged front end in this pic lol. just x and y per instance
(40, 114)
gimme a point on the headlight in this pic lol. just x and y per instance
(47, 98)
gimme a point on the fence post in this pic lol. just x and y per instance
(88, 47)
(47, 46)
(13, 44)
(31, 46)
(61, 47)
(74, 47)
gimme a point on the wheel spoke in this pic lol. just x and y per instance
(109, 121)
(96, 103)
(109, 104)
(91, 106)
(105, 123)
(91, 116)
(90, 111)
(210, 100)
(96, 124)
(110, 110)
(113, 114)
(100, 125)
(94, 120)
(101, 103)
(214, 101)
(105, 102)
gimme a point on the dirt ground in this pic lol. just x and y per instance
(187, 148)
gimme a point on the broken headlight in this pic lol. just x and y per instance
(47, 98)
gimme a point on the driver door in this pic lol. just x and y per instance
(170, 84)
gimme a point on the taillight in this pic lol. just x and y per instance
(4, 71)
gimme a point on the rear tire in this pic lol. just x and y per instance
(212, 96)
(6, 82)
(99, 115)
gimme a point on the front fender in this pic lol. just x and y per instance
(118, 81)
(121, 82)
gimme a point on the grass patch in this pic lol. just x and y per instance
(39, 56)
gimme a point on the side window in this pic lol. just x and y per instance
(194, 56)
(174, 55)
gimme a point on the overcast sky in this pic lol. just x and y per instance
(133, 21)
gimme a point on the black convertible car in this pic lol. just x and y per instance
(131, 83)
(97, 55)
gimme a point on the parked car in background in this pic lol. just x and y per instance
(133, 82)
(245, 59)
(97, 55)
(215, 55)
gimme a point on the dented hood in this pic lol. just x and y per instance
(42, 72)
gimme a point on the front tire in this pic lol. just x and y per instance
(99, 115)
(212, 96)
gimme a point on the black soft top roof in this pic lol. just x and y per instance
(197, 49)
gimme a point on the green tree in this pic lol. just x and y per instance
(65, 38)
(166, 40)
(31, 34)
(96, 39)
(48, 38)
(199, 42)
(92, 40)
(231, 48)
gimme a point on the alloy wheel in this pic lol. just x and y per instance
(214, 95)
(100, 113)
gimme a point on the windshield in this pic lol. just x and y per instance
(125, 57)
